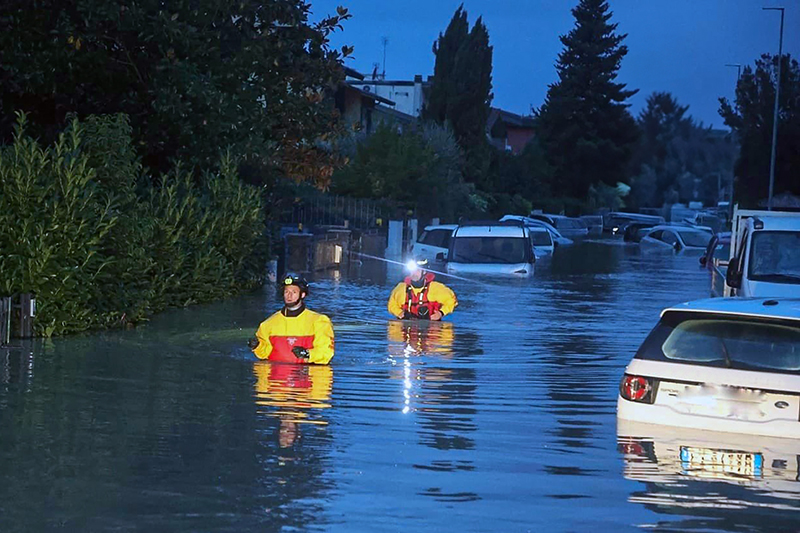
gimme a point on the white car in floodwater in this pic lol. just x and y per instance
(433, 240)
(491, 248)
(558, 238)
(721, 364)
(543, 243)
(675, 238)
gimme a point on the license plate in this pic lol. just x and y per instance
(707, 462)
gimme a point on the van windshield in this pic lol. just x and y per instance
(489, 250)
(775, 256)
(723, 341)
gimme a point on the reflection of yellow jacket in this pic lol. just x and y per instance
(278, 334)
(437, 292)
(420, 337)
(293, 388)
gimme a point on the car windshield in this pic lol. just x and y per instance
(695, 239)
(541, 238)
(775, 256)
(724, 341)
(489, 250)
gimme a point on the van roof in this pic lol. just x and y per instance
(490, 230)
(778, 223)
(784, 308)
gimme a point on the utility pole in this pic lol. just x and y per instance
(733, 133)
(775, 112)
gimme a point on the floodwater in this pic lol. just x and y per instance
(502, 419)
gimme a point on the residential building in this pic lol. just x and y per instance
(408, 96)
(509, 131)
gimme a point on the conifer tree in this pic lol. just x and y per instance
(461, 92)
(584, 124)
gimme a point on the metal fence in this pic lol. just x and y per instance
(343, 211)
(5, 321)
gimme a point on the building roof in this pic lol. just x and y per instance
(369, 94)
(784, 308)
(399, 116)
(510, 119)
(353, 73)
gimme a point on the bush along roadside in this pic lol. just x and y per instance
(102, 245)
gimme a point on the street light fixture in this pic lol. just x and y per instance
(775, 112)
(738, 69)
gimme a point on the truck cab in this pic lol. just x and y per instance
(765, 255)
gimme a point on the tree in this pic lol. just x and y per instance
(751, 117)
(193, 77)
(677, 157)
(584, 123)
(461, 92)
(418, 168)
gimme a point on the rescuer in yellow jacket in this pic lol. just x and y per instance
(420, 297)
(295, 334)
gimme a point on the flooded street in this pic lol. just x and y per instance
(502, 419)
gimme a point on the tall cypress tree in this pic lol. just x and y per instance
(461, 92)
(584, 123)
(445, 49)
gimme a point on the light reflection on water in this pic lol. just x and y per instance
(500, 419)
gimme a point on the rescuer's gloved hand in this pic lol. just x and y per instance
(299, 352)
(252, 343)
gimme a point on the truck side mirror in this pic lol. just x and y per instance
(732, 276)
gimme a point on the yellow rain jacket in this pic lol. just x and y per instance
(278, 334)
(406, 299)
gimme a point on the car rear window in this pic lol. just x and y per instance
(436, 237)
(541, 238)
(743, 343)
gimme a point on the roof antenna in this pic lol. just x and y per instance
(385, 42)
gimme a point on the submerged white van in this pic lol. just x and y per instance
(491, 248)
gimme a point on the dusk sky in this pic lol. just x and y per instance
(680, 46)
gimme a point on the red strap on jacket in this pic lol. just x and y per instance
(416, 300)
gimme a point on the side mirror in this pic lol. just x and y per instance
(703, 261)
(440, 257)
(555, 245)
(732, 276)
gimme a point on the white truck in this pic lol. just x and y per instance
(765, 255)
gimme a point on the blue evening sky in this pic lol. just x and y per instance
(680, 46)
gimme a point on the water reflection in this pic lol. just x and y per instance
(715, 480)
(439, 390)
(292, 394)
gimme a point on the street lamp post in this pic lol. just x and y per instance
(733, 131)
(775, 112)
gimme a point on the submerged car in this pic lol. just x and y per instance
(543, 243)
(432, 241)
(721, 364)
(558, 238)
(615, 221)
(491, 248)
(678, 238)
(594, 223)
(572, 228)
